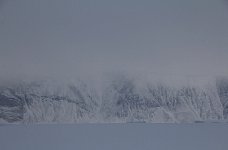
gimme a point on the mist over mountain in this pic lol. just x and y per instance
(119, 98)
(113, 61)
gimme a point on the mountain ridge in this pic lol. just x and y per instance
(122, 99)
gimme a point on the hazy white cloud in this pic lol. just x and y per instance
(65, 38)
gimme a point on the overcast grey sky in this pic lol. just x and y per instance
(59, 37)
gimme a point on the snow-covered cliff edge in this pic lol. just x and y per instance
(121, 99)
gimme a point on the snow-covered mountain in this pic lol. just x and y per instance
(121, 99)
(46, 101)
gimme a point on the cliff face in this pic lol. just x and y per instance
(122, 100)
(222, 88)
(161, 103)
(47, 102)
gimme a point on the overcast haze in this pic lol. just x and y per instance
(56, 37)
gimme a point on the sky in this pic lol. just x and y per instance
(70, 37)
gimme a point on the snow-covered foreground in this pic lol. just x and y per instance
(115, 136)
(116, 99)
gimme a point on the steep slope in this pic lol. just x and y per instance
(222, 86)
(46, 101)
(122, 99)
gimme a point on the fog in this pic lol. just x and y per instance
(54, 38)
